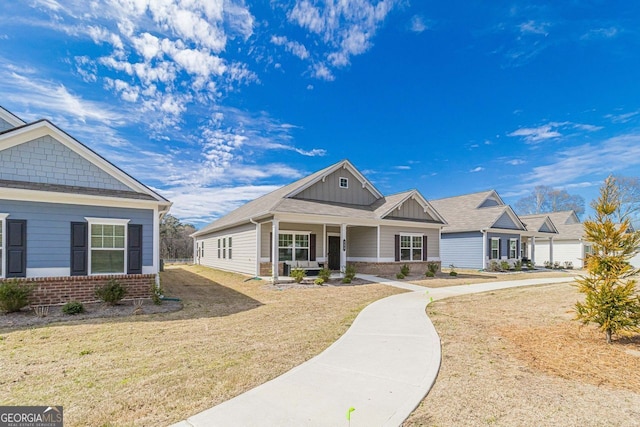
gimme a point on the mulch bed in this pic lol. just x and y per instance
(27, 316)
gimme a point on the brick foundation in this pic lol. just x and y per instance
(61, 290)
(391, 268)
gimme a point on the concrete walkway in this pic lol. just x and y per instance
(383, 366)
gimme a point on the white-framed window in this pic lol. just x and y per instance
(513, 248)
(219, 245)
(3, 217)
(495, 248)
(344, 182)
(410, 247)
(224, 247)
(107, 245)
(230, 244)
(293, 246)
(203, 249)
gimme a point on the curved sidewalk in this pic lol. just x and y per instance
(383, 366)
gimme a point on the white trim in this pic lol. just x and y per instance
(378, 243)
(156, 239)
(361, 259)
(346, 180)
(497, 239)
(343, 249)
(434, 259)
(107, 221)
(509, 248)
(411, 248)
(148, 269)
(11, 118)
(49, 272)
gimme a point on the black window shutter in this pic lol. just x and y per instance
(424, 248)
(16, 248)
(79, 248)
(397, 246)
(312, 247)
(270, 246)
(134, 249)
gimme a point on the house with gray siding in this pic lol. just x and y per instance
(481, 229)
(68, 216)
(567, 245)
(330, 218)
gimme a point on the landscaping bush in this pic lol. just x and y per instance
(547, 264)
(404, 270)
(452, 271)
(556, 265)
(14, 295)
(568, 265)
(73, 307)
(156, 294)
(430, 273)
(494, 266)
(518, 265)
(111, 293)
(297, 274)
(504, 266)
(349, 272)
(433, 267)
(319, 281)
(399, 276)
(324, 274)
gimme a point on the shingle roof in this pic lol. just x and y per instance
(571, 231)
(535, 222)
(462, 212)
(278, 202)
(72, 189)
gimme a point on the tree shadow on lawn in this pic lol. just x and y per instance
(199, 296)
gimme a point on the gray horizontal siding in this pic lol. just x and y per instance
(45, 160)
(265, 249)
(362, 242)
(49, 229)
(243, 254)
(463, 250)
(387, 242)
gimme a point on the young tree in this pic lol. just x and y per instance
(549, 199)
(611, 300)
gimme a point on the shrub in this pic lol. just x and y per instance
(568, 265)
(494, 266)
(404, 270)
(73, 307)
(14, 295)
(297, 274)
(504, 266)
(346, 280)
(433, 267)
(399, 276)
(547, 264)
(452, 270)
(111, 292)
(324, 274)
(349, 272)
(156, 294)
(430, 273)
(518, 265)
(556, 265)
(319, 281)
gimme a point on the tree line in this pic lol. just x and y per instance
(175, 240)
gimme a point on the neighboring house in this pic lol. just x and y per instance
(567, 246)
(481, 229)
(334, 217)
(69, 219)
(541, 229)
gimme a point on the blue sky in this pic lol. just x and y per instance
(215, 102)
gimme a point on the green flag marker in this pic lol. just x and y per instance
(349, 413)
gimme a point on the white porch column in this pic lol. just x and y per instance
(533, 251)
(378, 244)
(551, 250)
(343, 248)
(275, 261)
(484, 250)
(324, 246)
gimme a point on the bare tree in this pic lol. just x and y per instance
(629, 195)
(548, 199)
(175, 242)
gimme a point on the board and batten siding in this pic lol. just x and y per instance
(49, 229)
(243, 249)
(46, 160)
(387, 242)
(410, 209)
(463, 250)
(362, 242)
(328, 190)
(265, 249)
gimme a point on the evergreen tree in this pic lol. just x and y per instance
(611, 299)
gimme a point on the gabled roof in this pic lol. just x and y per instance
(463, 213)
(394, 201)
(10, 118)
(282, 200)
(30, 131)
(537, 222)
(567, 224)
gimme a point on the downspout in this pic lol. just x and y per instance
(258, 244)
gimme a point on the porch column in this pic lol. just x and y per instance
(275, 261)
(378, 244)
(343, 248)
(324, 245)
(551, 250)
(533, 251)
(484, 250)
(258, 247)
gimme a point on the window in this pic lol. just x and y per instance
(229, 247)
(344, 182)
(203, 249)
(410, 247)
(218, 248)
(107, 246)
(495, 248)
(224, 247)
(513, 248)
(293, 247)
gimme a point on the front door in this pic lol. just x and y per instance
(334, 253)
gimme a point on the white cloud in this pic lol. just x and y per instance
(550, 130)
(622, 118)
(417, 24)
(515, 162)
(477, 169)
(293, 47)
(403, 167)
(601, 33)
(533, 27)
(322, 72)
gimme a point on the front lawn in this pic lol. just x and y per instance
(232, 335)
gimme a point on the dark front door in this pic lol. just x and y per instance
(334, 253)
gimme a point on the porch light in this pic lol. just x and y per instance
(344, 244)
